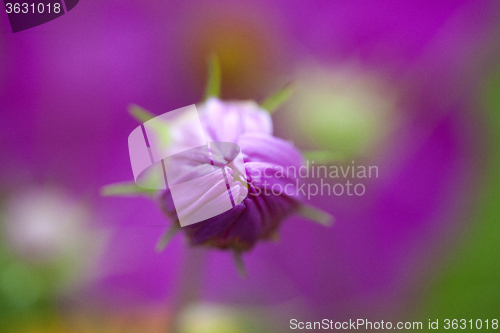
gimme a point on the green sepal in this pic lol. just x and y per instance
(167, 237)
(212, 88)
(125, 189)
(240, 264)
(140, 114)
(275, 100)
(316, 215)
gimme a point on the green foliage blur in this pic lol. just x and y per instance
(26, 293)
(467, 287)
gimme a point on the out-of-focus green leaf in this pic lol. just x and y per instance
(212, 88)
(322, 156)
(467, 285)
(275, 100)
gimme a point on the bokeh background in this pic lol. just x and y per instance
(412, 87)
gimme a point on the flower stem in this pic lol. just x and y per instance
(188, 288)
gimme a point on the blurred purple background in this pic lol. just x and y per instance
(64, 91)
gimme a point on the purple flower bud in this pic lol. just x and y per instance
(261, 213)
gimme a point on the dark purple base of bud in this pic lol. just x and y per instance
(257, 217)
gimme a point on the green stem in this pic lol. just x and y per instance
(189, 285)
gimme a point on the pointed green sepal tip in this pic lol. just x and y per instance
(167, 237)
(316, 215)
(212, 88)
(240, 264)
(140, 114)
(125, 189)
(275, 100)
